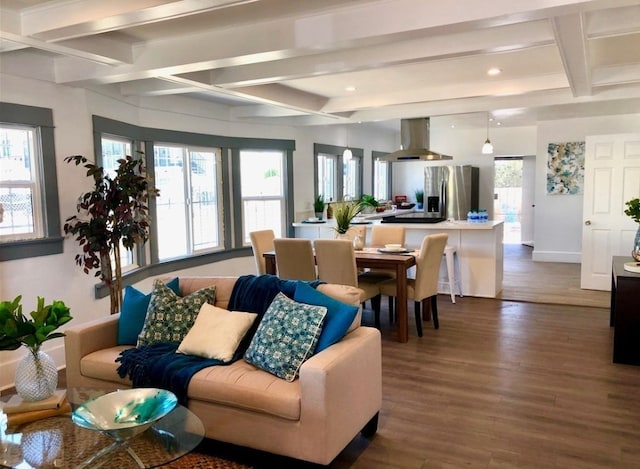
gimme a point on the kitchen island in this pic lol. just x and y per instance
(479, 247)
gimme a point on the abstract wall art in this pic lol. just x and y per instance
(565, 168)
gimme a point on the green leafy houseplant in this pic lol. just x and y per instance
(633, 209)
(114, 213)
(344, 212)
(17, 330)
(419, 196)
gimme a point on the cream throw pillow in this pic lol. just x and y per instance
(216, 333)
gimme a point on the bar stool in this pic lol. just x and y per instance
(453, 272)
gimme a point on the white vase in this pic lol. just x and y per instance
(36, 376)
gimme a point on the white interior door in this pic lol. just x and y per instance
(612, 176)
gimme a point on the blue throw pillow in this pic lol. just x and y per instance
(134, 311)
(286, 337)
(339, 315)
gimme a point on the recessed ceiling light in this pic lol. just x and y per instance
(494, 71)
(350, 88)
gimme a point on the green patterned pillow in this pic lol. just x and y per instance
(286, 337)
(169, 316)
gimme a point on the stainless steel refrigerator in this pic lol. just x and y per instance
(450, 191)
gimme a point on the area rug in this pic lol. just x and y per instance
(196, 460)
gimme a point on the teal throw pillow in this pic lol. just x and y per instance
(169, 316)
(134, 310)
(339, 315)
(286, 337)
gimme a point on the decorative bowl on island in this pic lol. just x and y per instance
(126, 413)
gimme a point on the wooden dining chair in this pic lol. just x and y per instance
(294, 258)
(261, 242)
(425, 286)
(381, 235)
(336, 262)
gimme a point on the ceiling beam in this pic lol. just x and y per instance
(573, 45)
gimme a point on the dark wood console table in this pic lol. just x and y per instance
(625, 312)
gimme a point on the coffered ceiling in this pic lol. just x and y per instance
(305, 62)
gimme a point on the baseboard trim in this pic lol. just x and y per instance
(556, 256)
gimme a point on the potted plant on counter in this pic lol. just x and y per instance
(368, 203)
(420, 198)
(318, 206)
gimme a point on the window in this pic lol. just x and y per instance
(20, 184)
(199, 214)
(263, 192)
(381, 177)
(30, 224)
(335, 178)
(352, 174)
(113, 149)
(187, 209)
(327, 165)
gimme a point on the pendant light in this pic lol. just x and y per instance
(487, 148)
(347, 154)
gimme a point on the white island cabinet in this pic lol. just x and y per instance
(479, 247)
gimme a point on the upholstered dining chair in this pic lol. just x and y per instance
(336, 262)
(425, 286)
(261, 242)
(294, 258)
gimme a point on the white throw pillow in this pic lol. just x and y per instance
(216, 333)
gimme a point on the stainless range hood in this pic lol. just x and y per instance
(414, 135)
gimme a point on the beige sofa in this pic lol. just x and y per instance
(338, 393)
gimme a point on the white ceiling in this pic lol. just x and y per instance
(292, 60)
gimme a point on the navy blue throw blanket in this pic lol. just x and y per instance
(158, 365)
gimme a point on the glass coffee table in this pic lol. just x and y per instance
(56, 442)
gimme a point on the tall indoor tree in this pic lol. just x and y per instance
(115, 213)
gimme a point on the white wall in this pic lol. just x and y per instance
(558, 218)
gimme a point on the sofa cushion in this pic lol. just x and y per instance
(134, 311)
(286, 337)
(339, 315)
(245, 386)
(347, 294)
(169, 316)
(216, 333)
(102, 365)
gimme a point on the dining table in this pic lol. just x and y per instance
(373, 258)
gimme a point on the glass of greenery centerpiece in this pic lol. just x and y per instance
(318, 206)
(344, 212)
(633, 210)
(36, 374)
(420, 198)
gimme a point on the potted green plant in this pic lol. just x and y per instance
(344, 212)
(419, 198)
(36, 373)
(318, 206)
(633, 211)
(113, 214)
(368, 203)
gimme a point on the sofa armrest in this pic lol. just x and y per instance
(86, 338)
(341, 388)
